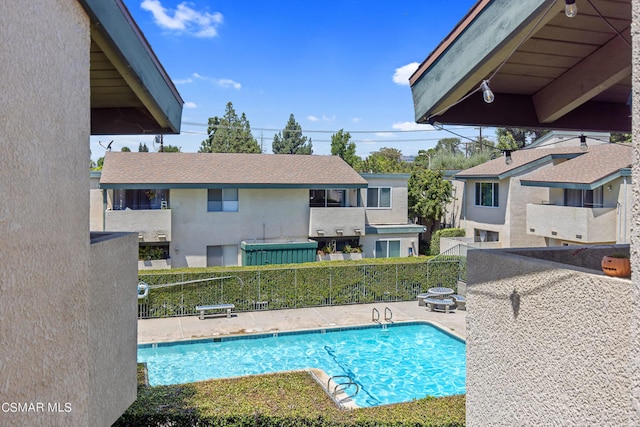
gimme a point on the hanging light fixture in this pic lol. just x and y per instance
(486, 92)
(570, 8)
(583, 143)
(507, 157)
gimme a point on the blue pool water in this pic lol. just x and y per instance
(396, 364)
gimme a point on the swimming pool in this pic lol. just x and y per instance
(391, 363)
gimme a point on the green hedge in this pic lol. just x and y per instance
(434, 246)
(283, 399)
(294, 286)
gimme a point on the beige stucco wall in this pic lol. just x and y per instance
(397, 214)
(407, 241)
(547, 343)
(113, 333)
(44, 211)
(262, 214)
(634, 361)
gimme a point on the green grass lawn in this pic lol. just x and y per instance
(283, 399)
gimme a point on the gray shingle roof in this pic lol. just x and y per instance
(253, 170)
(597, 163)
(600, 160)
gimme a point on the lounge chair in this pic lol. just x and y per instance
(461, 302)
(438, 304)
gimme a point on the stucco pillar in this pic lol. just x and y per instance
(635, 228)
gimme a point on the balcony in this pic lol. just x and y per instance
(336, 222)
(587, 225)
(152, 225)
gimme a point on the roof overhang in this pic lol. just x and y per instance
(209, 185)
(626, 172)
(131, 93)
(545, 69)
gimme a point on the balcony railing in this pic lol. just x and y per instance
(588, 225)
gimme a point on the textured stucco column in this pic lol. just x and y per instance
(635, 229)
(44, 213)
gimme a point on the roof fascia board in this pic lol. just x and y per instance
(475, 51)
(124, 44)
(177, 186)
(519, 170)
(578, 186)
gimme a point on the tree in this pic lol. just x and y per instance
(171, 149)
(290, 140)
(620, 138)
(342, 146)
(229, 134)
(386, 160)
(450, 145)
(125, 149)
(142, 148)
(428, 195)
(520, 136)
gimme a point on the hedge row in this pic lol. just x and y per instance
(434, 246)
(283, 399)
(294, 286)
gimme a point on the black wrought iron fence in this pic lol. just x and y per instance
(177, 294)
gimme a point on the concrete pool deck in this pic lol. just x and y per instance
(191, 327)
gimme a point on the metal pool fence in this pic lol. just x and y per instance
(177, 294)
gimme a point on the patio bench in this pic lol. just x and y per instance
(203, 308)
(436, 304)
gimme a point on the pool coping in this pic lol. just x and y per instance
(304, 331)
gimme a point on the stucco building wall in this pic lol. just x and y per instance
(262, 214)
(113, 338)
(634, 359)
(44, 210)
(549, 341)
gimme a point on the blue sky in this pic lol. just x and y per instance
(334, 64)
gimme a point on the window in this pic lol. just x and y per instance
(379, 197)
(387, 248)
(222, 200)
(140, 199)
(487, 194)
(584, 198)
(329, 198)
(486, 236)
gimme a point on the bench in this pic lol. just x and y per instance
(435, 304)
(423, 296)
(461, 302)
(203, 308)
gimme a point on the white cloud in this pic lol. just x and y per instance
(402, 74)
(226, 83)
(385, 134)
(190, 104)
(411, 126)
(312, 118)
(184, 19)
(182, 81)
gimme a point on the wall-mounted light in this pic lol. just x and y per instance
(339, 231)
(507, 157)
(487, 95)
(609, 187)
(140, 237)
(357, 230)
(583, 143)
(320, 232)
(570, 8)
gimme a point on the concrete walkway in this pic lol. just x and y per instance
(191, 327)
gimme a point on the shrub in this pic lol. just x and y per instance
(434, 247)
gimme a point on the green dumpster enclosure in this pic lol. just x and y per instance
(264, 253)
